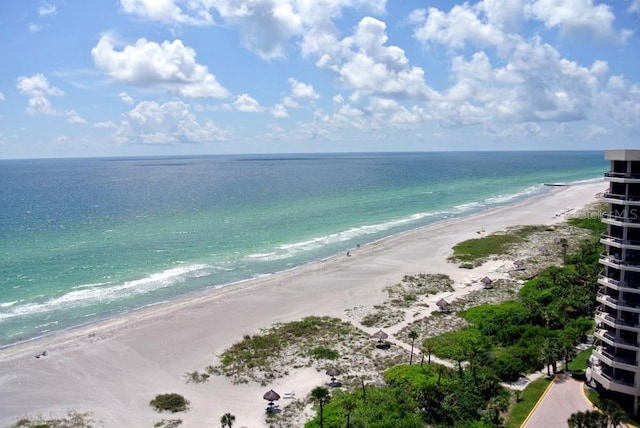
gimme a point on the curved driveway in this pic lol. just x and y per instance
(564, 397)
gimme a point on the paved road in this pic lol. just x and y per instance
(563, 398)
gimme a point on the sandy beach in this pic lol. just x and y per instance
(113, 368)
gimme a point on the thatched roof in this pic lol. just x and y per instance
(381, 335)
(332, 371)
(442, 303)
(271, 395)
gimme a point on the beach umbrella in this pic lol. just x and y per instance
(487, 282)
(271, 396)
(380, 335)
(443, 305)
(333, 372)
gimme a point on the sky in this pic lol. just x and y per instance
(185, 77)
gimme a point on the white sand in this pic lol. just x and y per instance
(114, 368)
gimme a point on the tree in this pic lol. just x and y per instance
(227, 420)
(428, 346)
(413, 335)
(588, 419)
(440, 370)
(348, 404)
(321, 395)
(498, 404)
(612, 411)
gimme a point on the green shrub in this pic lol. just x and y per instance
(323, 353)
(170, 402)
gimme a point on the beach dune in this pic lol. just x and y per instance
(114, 368)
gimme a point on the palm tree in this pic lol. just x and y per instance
(227, 420)
(429, 345)
(498, 404)
(321, 395)
(440, 370)
(612, 411)
(349, 404)
(413, 335)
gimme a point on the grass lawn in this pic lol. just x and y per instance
(476, 250)
(530, 397)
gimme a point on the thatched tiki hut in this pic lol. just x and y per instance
(271, 396)
(333, 372)
(381, 336)
(443, 305)
(487, 282)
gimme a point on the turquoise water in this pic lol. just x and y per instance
(86, 239)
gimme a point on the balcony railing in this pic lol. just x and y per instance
(604, 334)
(618, 285)
(612, 174)
(618, 303)
(617, 262)
(613, 239)
(611, 378)
(616, 322)
(615, 358)
(619, 197)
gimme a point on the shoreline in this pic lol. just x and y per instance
(149, 349)
(213, 287)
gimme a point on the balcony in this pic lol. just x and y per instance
(617, 198)
(612, 384)
(627, 287)
(605, 318)
(610, 339)
(614, 361)
(621, 177)
(616, 263)
(618, 285)
(617, 303)
(621, 220)
(619, 243)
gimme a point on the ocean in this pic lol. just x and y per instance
(87, 239)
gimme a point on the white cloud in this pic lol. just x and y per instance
(246, 104)
(367, 65)
(107, 124)
(456, 28)
(74, 118)
(1, 96)
(169, 123)
(126, 98)
(168, 11)
(575, 17)
(170, 64)
(267, 26)
(596, 131)
(634, 7)
(279, 111)
(527, 80)
(302, 90)
(47, 9)
(290, 102)
(34, 28)
(38, 89)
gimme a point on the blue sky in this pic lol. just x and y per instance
(178, 77)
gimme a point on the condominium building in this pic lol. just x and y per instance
(616, 355)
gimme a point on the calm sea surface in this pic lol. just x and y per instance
(86, 239)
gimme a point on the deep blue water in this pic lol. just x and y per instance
(86, 239)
